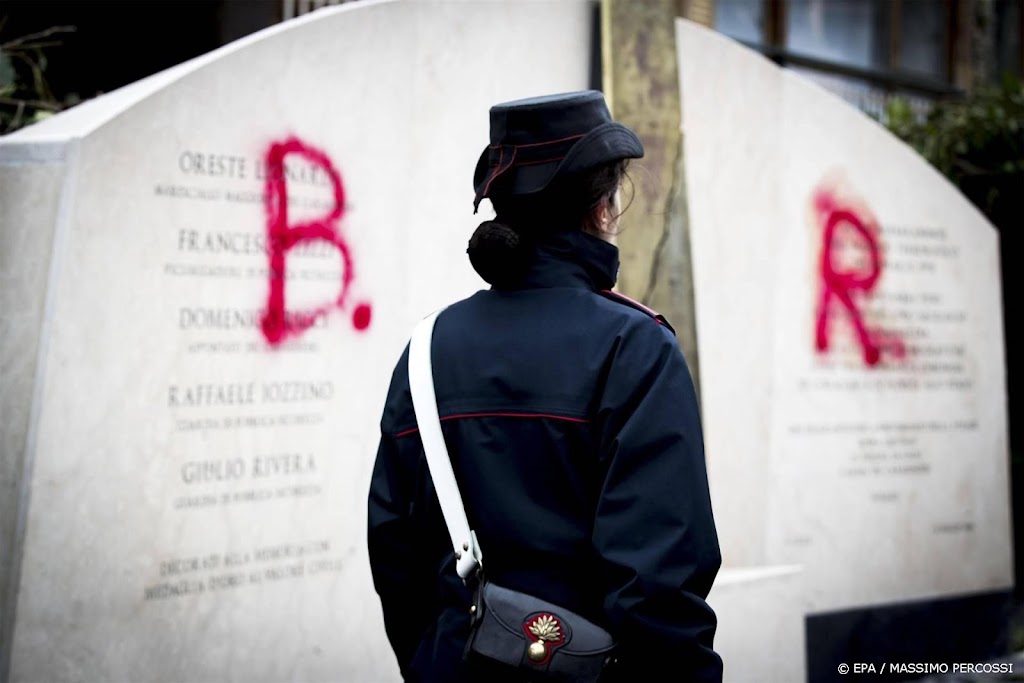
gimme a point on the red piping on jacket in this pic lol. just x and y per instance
(578, 420)
(622, 297)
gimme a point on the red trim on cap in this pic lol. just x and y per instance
(551, 142)
(540, 161)
(499, 170)
(537, 144)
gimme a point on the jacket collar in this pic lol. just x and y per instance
(572, 259)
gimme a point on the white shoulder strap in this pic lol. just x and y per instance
(424, 402)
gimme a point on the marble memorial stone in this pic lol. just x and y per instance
(207, 278)
(851, 342)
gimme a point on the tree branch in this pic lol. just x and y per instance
(18, 42)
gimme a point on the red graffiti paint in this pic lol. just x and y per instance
(844, 283)
(276, 321)
(361, 317)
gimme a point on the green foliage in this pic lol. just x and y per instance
(25, 96)
(977, 142)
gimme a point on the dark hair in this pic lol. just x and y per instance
(501, 249)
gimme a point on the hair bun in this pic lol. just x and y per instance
(498, 253)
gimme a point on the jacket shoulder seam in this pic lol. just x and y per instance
(637, 306)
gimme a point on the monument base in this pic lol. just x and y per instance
(964, 629)
(760, 623)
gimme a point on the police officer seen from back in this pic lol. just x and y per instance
(570, 419)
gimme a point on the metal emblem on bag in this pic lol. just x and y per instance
(546, 629)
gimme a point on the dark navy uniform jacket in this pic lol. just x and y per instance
(574, 433)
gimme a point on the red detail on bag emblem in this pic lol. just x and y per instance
(544, 631)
